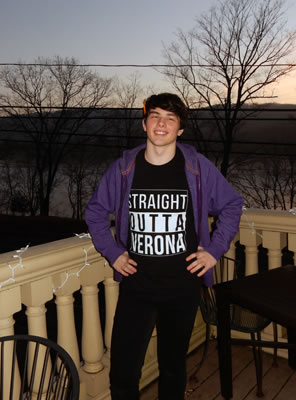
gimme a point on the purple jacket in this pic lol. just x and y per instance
(211, 195)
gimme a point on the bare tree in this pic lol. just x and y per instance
(76, 177)
(128, 95)
(77, 188)
(231, 58)
(83, 177)
(49, 102)
(7, 186)
(269, 184)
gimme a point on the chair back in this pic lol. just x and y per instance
(225, 270)
(32, 367)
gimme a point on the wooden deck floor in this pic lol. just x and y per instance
(279, 383)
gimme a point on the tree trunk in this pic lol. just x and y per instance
(44, 206)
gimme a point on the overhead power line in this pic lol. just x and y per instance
(141, 65)
(137, 136)
(119, 145)
(140, 109)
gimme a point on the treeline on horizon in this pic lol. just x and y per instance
(116, 128)
(262, 161)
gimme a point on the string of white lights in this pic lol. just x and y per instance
(82, 235)
(20, 264)
(13, 268)
(86, 263)
(251, 224)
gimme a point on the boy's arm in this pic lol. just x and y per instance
(97, 216)
(225, 203)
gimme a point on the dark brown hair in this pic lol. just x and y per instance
(169, 102)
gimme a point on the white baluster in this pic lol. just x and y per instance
(251, 240)
(92, 338)
(94, 372)
(274, 242)
(34, 295)
(66, 326)
(65, 288)
(111, 297)
(12, 300)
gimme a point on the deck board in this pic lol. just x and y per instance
(279, 383)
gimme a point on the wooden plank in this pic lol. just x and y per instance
(150, 392)
(274, 378)
(245, 383)
(208, 386)
(279, 383)
(210, 366)
(288, 392)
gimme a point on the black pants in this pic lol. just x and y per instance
(135, 317)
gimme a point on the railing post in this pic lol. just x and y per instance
(251, 239)
(11, 298)
(34, 296)
(92, 337)
(292, 244)
(95, 372)
(274, 242)
(111, 297)
(67, 337)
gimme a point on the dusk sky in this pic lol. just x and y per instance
(104, 32)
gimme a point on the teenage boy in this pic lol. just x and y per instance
(161, 193)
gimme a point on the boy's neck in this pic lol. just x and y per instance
(160, 155)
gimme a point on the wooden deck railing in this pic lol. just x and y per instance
(34, 276)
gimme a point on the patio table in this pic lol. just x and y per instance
(271, 294)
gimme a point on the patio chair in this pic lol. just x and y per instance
(36, 367)
(241, 319)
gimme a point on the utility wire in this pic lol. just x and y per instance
(123, 118)
(138, 137)
(140, 65)
(244, 112)
(120, 146)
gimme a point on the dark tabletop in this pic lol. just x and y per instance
(271, 293)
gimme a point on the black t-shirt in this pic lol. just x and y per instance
(161, 226)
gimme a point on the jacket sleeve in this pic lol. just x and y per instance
(224, 203)
(97, 215)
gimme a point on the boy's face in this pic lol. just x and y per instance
(162, 127)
